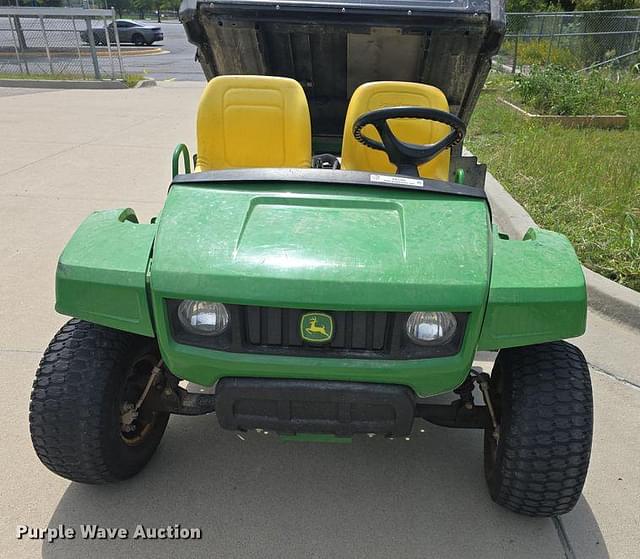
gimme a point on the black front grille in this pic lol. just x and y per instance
(357, 334)
(353, 330)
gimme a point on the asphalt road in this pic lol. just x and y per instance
(178, 63)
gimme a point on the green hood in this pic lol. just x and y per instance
(317, 247)
(323, 247)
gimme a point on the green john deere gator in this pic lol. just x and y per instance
(329, 265)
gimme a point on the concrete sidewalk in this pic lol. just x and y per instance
(64, 154)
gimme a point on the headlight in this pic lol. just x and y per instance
(203, 318)
(431, 328)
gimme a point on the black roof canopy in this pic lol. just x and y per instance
(333, 46)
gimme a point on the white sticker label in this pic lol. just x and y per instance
(396, 180)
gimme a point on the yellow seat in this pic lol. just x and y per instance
(253, 121)
(376, 95)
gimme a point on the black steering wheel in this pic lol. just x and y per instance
(404, 155)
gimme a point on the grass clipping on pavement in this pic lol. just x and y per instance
(584, 183)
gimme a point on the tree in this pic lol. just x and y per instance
(588, 5)
(120, 6)
(171, 6)
(143, 6)
(526, 5)
(155, 6)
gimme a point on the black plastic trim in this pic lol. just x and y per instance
(275, 331)
(335, 6)
(302, 406)
(332, 177)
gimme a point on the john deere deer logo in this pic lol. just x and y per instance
(316, 327)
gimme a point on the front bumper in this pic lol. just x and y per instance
(320, 409)
(296, 406)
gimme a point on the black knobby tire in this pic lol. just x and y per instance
(76, 404)
(542, 395)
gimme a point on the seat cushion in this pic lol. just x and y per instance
(253, 121)
(376, 95)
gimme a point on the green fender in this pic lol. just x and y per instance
(101, 274)
(537, 292)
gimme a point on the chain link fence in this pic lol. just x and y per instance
(577, 40)
(59, 42)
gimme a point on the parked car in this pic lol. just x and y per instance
(129, 31)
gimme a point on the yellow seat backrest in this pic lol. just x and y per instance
(376, 95)
(253, 121)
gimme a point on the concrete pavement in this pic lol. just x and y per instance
(66, 153)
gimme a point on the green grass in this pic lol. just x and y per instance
(130, 80)
(584, 183)
(534, 52)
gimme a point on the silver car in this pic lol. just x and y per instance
(129, 31)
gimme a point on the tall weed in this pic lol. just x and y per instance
(556, 90)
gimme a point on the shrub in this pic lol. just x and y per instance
(556, 90)
(541, 52)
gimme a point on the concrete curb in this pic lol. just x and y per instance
(606, 122)
(146, 82)
(64, 84)
(101, 52)
(608, 297)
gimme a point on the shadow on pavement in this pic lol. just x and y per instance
(582, 530)
(262, 498)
